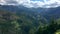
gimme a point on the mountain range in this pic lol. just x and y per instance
(45, 12)
(25, 20)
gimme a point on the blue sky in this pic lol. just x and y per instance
(32, 3)
(36, 0)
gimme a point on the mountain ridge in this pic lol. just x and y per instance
(45, 12)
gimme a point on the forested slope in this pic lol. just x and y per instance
(26, 23)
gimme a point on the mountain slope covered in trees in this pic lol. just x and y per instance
(19, 23)
(15, 21)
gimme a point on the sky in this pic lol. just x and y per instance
(32, 3)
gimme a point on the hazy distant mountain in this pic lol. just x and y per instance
(46, 12)
(20, 8)
(52, 12)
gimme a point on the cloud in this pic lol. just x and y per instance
(8, 2)
(30, 3)
(36, 4)
(52, 3)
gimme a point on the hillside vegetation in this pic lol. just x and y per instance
(25, 23)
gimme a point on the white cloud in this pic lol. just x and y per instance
(8, 2)
(29, 3)
(52, 3)
(35, 4)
